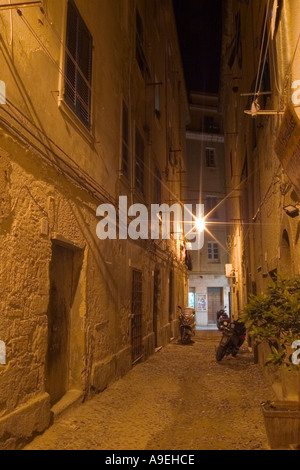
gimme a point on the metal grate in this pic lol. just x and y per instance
(155, 305)
(137, 316)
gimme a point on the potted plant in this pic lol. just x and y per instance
(274, 318)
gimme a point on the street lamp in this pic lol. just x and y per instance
(200, 225)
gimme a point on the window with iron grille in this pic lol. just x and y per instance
(125, 141)
(171, 296)
(157, 98)
(140, 48)
(213, 252)
(210, 158)
(137, 315)
(78, 65)
(139, 162)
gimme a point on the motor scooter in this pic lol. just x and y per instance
(222, 318)
(234, 335)
(187, 324)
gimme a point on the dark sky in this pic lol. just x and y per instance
(199, 24)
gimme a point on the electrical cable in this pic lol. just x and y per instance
(67, 80)
(91, 187)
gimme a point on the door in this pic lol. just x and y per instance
(155, 305)
(57, 359)
(137, 316)
(215, 302)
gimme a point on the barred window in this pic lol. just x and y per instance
(210, 158)
(139, 162)
(140, 48)
(125, 141)
(78, 65)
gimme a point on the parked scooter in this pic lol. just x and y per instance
(234, 335)
(223, 319)
(187, 324)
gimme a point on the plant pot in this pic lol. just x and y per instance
(282, 422)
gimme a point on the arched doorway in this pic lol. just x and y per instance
(286, 262)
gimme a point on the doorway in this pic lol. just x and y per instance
(137, 316)
(215, 301)
(155, 306)
(286, 263)
(65, 268)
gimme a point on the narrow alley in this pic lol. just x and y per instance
(179, 399)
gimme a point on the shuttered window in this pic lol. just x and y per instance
(78, 65)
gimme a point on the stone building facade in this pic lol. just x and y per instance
(208, 288)
(260, 102)
(95, 109)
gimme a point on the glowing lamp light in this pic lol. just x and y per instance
(200, 225)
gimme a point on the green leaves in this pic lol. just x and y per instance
(274, 317)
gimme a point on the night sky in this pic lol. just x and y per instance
(199, 24)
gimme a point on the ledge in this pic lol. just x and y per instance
(75, 122)
(69, 400)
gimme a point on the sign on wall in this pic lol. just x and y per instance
(229, 271)
(202, 303)
(287, 146)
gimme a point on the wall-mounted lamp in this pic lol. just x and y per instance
(292, 211)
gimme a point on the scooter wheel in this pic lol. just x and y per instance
(221, 351)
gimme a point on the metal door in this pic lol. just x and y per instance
(155, 305)
(215, 302)
(137, 316)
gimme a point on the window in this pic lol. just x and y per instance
(192, 297)
(157, 98)
(210, 125)
(140, 52)
(139, 162)
(211, 204)
(265, 84)
(171, 296)
(210, 158)
(78, 66)
(125, 141)
(236, 44)
(157, 186)
(137, 315)
(213, 252)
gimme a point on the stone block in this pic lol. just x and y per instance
(25, 422)
(103, 373)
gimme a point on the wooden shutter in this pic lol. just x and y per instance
(78, 69)
(71, 43)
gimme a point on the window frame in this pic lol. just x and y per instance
(212, 249)
(210, 151)
(210, 207)
(139, 179)
(125, 144)
(140, 54)
(80, 77)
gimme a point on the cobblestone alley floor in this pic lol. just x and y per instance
(180, 399)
